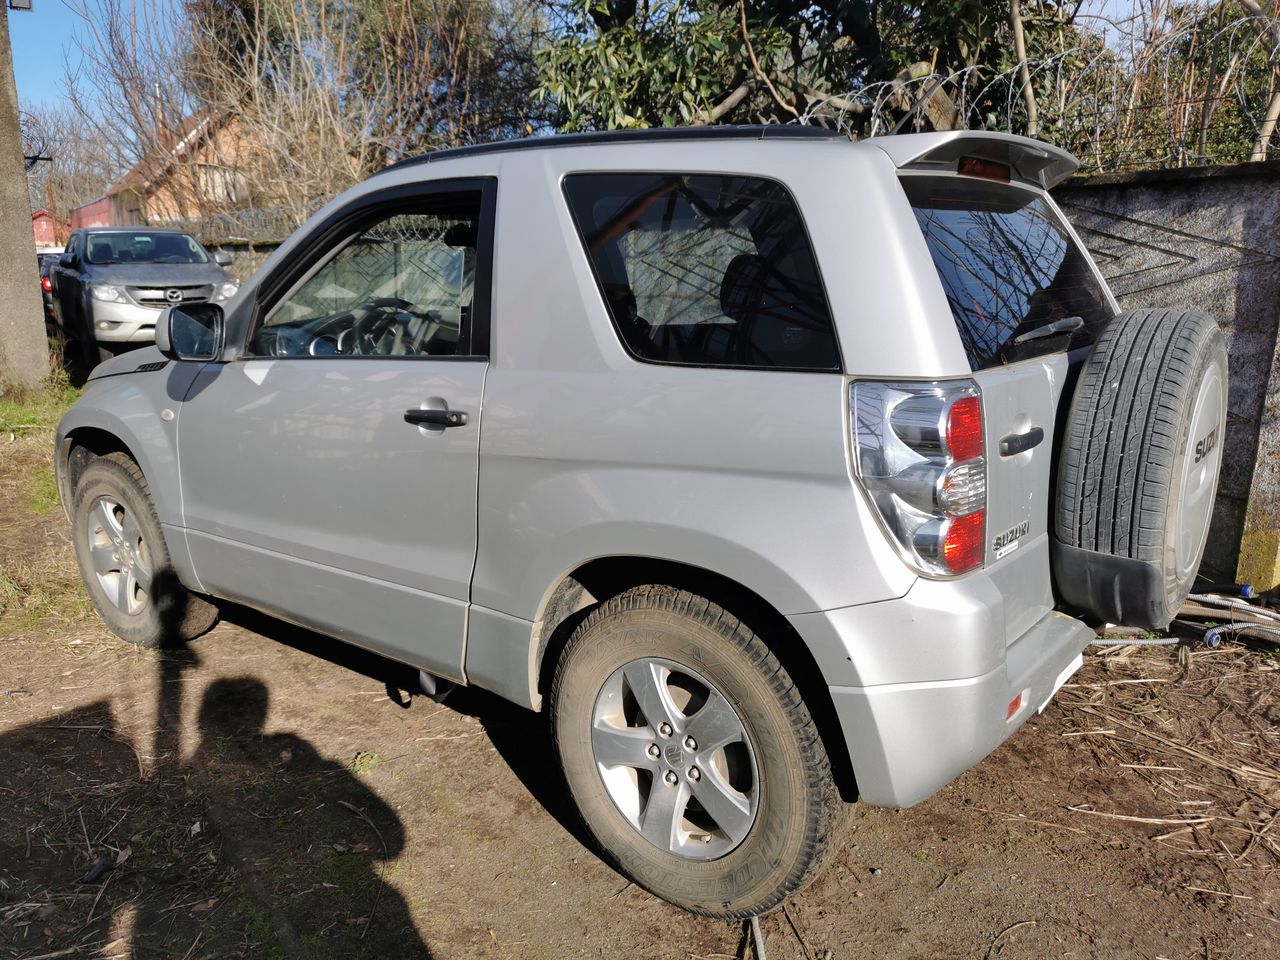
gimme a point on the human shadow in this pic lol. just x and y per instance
(307, 836)
(253, 844)
(522, 738)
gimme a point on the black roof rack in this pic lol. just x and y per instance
(771, 131)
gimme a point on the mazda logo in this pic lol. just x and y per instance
(173, 295)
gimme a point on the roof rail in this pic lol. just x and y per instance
(772, 131)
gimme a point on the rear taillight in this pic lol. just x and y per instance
(46, 285)
(918, 450)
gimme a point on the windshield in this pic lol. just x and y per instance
(1009, 269)
(143, 247)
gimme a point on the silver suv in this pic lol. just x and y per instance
(111, 283)
(781, 470)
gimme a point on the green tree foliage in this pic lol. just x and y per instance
(619, 64)
(1167, 83)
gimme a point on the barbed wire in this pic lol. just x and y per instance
(1110, 109)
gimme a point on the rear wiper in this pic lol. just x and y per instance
(1065, 325)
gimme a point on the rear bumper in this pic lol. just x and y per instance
(906, 740)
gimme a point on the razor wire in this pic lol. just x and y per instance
(1113, 111)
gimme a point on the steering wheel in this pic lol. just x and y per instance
(371, 321)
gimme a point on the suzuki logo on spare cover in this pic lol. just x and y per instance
(173, 295)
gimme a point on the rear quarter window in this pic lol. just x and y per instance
(1009, 268)
(705, 270)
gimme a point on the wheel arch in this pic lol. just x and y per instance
(568, 601)
(77, 449)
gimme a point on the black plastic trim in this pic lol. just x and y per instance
(1016, 443)
(770, 131)
(1107, 588)
(436, 418)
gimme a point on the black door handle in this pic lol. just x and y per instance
(1016, 443)
(436, 418)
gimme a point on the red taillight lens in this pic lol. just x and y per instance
(964, 429)
(46, 285)
(962, 549)
(986, 169)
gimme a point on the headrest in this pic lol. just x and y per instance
(461, 235)
(744, 286)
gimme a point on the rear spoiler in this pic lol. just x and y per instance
(1031, 161)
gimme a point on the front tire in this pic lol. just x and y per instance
(124, 560)
(693, 759)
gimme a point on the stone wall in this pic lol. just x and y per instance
(1208, 238)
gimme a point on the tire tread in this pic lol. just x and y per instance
(825, 802)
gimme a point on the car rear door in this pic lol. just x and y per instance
(329, 474)
(1025, 298)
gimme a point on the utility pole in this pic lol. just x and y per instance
(24, 351)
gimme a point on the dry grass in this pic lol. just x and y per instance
(1214, 773)
(43, 595)
(24, 413)
(40, 588)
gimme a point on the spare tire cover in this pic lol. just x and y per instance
(1138, 467)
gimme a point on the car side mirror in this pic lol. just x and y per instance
(222, 258)
(193, 331)
(67, 260)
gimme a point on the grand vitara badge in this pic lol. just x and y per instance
(1005, 543)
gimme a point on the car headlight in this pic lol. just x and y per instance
(224, 291)
(107, 291)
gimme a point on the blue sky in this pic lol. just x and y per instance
(42, 41)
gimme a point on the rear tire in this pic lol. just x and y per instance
(1139, 467)
(727, 860)
(124, 560)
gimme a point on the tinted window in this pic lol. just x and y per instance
(1008, 266)
(705, 270)
(401, 286)
(143, 247)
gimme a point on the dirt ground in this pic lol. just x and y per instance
(261, 794)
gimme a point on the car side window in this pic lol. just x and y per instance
(705, 270)
(400, 283)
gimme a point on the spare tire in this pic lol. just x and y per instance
(1138, 467)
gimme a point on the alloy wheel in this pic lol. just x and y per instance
(675, 758)
(119, 556)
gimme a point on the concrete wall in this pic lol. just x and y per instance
(1208, 238)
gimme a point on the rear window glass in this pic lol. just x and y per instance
(1009, 268)
(705, 270)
